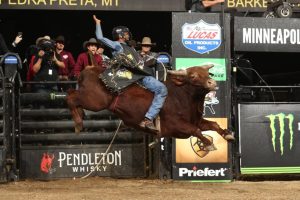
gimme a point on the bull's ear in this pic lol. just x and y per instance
(178, 80)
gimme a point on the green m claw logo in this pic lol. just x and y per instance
(281, 118)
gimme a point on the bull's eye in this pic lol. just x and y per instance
(211, 74)
(193, 76)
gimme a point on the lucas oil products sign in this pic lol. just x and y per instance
(269, 138)
(201, 37)
(267, 34)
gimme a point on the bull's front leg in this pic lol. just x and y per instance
(185, 130)
(206, 125)
(208, 145)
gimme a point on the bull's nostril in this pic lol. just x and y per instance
(211, 82)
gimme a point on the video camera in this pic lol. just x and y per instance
(48, 46)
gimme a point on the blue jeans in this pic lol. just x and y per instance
(160, 93)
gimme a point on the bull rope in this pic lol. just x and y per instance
(109, 146)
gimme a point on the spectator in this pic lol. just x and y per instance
(147, 55)
(30, 54)
(100, 51)
(45, 66)
(66, 73)
(4, 48)
(89, 58)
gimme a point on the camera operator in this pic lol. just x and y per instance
(46, 65)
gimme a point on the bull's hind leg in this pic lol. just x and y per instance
(207, 125)
(76, 110)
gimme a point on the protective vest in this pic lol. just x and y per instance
(131, 53)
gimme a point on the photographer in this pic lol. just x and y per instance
(45, 66)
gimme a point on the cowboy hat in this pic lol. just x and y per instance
(146, 41)
(60, 39)
(90, 41)
(46, 37)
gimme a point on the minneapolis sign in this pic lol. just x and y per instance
(266, 34)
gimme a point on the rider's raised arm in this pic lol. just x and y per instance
(107, 42)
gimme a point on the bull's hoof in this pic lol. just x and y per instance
(211, 147)
(229, 137)
(151, 145)
(78, 128)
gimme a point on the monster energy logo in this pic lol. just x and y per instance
(281, 119)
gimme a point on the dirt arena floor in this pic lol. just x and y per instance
(109, 188)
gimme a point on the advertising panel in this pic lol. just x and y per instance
(193, 162)
(266, 34)
(199, 35)
(198, 39)
(48, 163)
(214, 101)
(269, 138)
(129, 5)
(3, 175)
(247, 5)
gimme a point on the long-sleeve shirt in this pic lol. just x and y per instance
(114, 45)
(69, 61)
(83, 61)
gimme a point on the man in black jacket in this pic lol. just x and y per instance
(5, 48)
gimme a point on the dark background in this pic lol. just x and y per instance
(78, 26)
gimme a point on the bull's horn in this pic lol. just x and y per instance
(181, 72)
(208, 66)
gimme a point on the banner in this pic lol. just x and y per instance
(266, 34)
(198, 39)
(124, 5)
(123, 160)
(247, 5)
(269, 138)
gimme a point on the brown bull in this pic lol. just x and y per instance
(180, 117)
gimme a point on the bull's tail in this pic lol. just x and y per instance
(70, 91)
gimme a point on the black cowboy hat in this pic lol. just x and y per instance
(60, 39)
(90, 41)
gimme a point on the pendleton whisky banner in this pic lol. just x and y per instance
(129, 5)
(266, 34)
(269, 138)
